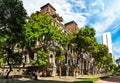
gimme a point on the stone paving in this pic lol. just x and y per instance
(62, 79)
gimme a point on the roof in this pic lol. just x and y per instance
(48, 4)
(71, 22)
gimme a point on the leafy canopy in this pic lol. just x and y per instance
(12, 18)
(84, 40)
(40, 29)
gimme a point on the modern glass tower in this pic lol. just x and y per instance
(107, 40)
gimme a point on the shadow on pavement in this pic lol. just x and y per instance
(31, 81)
(111, 79)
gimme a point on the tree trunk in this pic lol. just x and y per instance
(88, 68)
(36, 76)
(10, 67)
(93, 69)
(85, 67)
(79, 66)
(59, 71)
(74, 72)
(82, 64)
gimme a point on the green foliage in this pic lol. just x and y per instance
(1, 61)
(12, 18)
(61, 57)
(40, 29)
(112, 67)
(84, 40)
(89, 80)
(83, 82)
(118, 60)
(93, 79)
(118, 70)
(37, 26)
(60, 54)
(102, 56)
(41, 58)
(17, 58)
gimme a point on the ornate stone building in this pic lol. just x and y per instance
(70, 60)
(68, 28)
(51, 11)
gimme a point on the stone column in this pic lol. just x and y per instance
(35, 56)
(27, 58)
(54, 70)
(67, 70)
(54, 65)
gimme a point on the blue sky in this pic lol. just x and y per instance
(102, 15)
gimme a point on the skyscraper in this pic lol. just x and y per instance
(107, 40)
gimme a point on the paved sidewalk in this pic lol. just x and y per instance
(63, 79)
(70, 78)
(114, 79)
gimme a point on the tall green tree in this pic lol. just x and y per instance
(84, 42)
(102, 52)
(41, 37)
(102, 57)
(12, 18)
(118, 60)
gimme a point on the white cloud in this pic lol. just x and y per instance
(107, 18)
(103, 26)
(104, 21)
(106, 15)
(116, 29)
(80, 3)
(95, 7)
(94, 4)
(63, 8)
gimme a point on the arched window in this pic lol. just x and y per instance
(51, 56)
